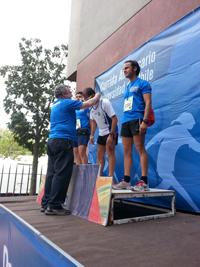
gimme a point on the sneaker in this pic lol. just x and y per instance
(140, 186)
(122, 185)
(42, 209)
(59, 212)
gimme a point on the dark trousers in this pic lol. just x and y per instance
(59, 172)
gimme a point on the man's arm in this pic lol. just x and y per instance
(144, 124)
(108, 108)
(93, 126)
(112, 133)
(147, 100)
(113, 125)
(91, 102)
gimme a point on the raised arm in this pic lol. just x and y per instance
(91, 102)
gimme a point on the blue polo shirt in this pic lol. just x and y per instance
(84, 116)
(63, 118)
(134, 104)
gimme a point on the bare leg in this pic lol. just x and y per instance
(82, 154)
(125, 183)
(110, 150)
(77, 159)
(127, 144)
(139, 145)
(100, 157)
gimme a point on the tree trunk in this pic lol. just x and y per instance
(34, 168)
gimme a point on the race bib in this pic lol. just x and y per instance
(78, 123)
(128, 103)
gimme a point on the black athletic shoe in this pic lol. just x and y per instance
(42, 209)
(59, 212)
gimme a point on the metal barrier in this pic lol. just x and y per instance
(16, 179)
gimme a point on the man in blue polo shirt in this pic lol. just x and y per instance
(137, 106)
(60, 149)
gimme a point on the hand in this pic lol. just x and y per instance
(91, 139)
(110, 140)
(143, 128)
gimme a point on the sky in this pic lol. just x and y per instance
(47, 20)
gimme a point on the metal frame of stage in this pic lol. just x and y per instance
(123, 195)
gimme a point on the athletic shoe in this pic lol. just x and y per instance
(122, 185)
(59, 212)
(140, 186)
(42, 209)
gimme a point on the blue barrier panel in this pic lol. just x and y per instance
(171, 63)
(23, 246)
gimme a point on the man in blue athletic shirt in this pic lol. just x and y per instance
(60, 149)
(137, 105)
(82, 131)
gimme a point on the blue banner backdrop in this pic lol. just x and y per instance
(171, 63)
(21, 246)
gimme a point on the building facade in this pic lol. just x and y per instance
(103, 32)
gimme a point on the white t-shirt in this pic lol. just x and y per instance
(102, 114)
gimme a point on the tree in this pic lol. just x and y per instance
(30, 88)
(9, 147)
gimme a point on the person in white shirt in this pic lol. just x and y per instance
(103, 116)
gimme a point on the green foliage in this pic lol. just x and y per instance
(30, 89)
(9, 147)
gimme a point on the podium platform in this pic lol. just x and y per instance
(91, 197)
(122, 195)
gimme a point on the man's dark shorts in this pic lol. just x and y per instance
(75, 144)
(102, 139)
(83, 136)
(83, 139)
(131, 128)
